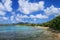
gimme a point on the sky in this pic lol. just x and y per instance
(31, 11)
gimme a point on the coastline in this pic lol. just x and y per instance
(47, 34)
(45, 28)
(55, 35)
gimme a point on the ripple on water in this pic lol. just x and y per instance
(22, 32)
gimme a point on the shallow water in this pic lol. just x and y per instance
(22, 33)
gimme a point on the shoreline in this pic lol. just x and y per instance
(45, 28)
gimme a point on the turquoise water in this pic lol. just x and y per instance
(24, 33)
(17, 28)
(19, 32)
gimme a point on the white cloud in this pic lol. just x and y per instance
(2, 13)
(7, 5)
(22, 16)
(52, 10)
(40, 16)
(12, 18)
(2, 7)
(19, 20)
(5, 18)
(28, 7)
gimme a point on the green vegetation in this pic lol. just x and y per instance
(55, 23)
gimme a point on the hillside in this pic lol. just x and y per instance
(55, 23)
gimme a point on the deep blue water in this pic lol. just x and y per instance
(19, 31)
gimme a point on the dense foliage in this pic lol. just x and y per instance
(55, 23)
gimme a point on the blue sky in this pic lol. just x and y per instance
(31, 11)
